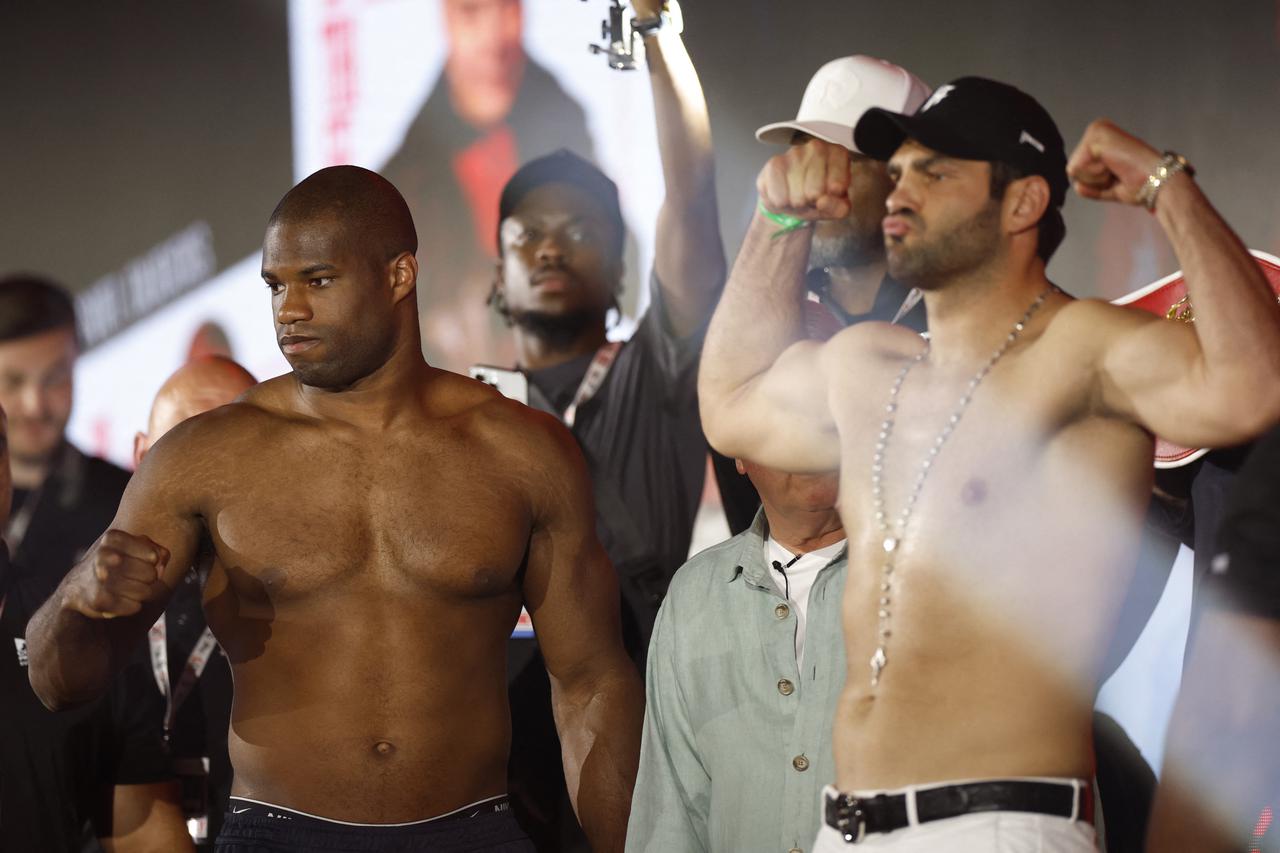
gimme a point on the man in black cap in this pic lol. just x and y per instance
(631, 406)
(993, 478)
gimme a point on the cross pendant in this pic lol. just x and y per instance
(878, 661)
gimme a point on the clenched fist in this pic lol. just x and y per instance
(117, 577)
(1110, 164)
(810, 181)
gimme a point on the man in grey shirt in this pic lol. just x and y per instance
(743, 674)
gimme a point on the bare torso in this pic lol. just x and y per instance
(363, 588)
(1009, 578)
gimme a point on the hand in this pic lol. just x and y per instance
(118, 576)
(1110, 164)
(810, 181)
(647, 8)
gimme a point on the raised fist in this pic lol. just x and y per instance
(810, 181)
(117, 577)
(1110, 164)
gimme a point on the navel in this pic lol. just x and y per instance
(384, 748)
(974, 491)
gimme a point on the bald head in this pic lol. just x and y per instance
(368, 210)
(197, 387)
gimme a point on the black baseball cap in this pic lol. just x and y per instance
(562, 167)
(975, 119)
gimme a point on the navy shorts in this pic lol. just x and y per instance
(484, 827)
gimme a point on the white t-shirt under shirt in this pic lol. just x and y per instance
(796, 579)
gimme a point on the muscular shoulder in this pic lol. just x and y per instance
(1089, 324)
(229, 432)
(868, 344)
(508, 429)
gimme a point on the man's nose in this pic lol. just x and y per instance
(902, 197)
(292, 306)
(550, 252)
(32, 400)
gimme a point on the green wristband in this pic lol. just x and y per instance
(787, 222)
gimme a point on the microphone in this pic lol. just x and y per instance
(786, 581)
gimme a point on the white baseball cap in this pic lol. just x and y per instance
(840, 92)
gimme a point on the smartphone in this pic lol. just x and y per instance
(512, 383)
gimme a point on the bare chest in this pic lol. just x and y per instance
(402, 518)
(1008, 486)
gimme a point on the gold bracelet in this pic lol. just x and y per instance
(1170, 164)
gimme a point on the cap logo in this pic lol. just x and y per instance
(1032, 141)
(938, 94)
(837, 93)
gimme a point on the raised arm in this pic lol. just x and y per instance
(761, 386)
(571, 593)
(689, 254)
(1211, 383)
(82, 636)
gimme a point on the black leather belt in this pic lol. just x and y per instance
(854, 817)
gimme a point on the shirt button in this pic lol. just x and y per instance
(782, 611)
(785, 687)
(800, 763)
(795, 850)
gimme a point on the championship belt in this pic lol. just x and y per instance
(1168, 298)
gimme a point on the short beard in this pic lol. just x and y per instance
(339, 375)
(556, 330)
(846, 250)
(963, 249)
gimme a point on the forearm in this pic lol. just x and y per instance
(760, 314)
(689, 257)
(1237, 321)
(684, 126)
(599, 724)
(73, 658)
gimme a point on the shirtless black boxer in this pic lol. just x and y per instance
(376, 525)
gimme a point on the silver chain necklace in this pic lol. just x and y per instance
(892, 539)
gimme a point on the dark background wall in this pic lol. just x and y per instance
(122, 124)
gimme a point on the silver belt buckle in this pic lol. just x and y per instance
(850, 811)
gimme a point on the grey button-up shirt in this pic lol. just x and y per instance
(732, 760)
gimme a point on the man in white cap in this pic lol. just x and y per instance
(847, 269)
(737, 710)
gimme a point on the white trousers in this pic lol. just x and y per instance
(981, 832)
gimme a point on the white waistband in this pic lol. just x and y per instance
(234, 799)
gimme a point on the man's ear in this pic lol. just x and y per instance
(139, 448)
(1025, 203)
(404, 275)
